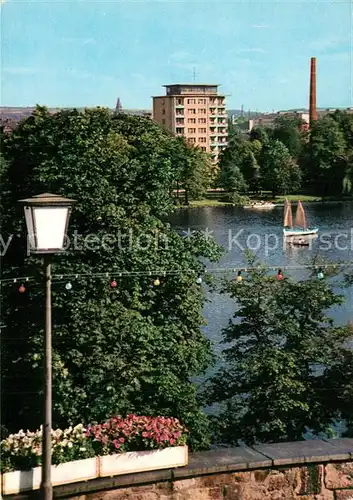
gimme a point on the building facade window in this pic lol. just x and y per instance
(163, 111)
(202, 139)
(180, 121)
(202, 131)
(191, 130)
(179, 130)
(201, 120)
(201, 101)
(191, 101)
(203, 148)
(191, 120)
(202, 111)
(192, 111)
(191, 140)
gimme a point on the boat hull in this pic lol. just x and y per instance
(300, 232)
(260, 207)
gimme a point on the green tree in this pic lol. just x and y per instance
(280, 174)
(239, 168)
(261, 134)
(270, 387)
(326, 158)
(339, 388)
(197, 174)
(251, 169)
(133, 348)
(288, 131)
(345, 122)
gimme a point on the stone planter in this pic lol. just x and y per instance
(91, 468)
(69, 472)
(140, 461)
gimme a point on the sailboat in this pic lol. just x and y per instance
(300, 227)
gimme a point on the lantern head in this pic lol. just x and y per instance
(47, 218)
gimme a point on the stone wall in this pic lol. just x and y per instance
(308, 470)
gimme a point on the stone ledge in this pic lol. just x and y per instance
(219, 461)
(312, 451)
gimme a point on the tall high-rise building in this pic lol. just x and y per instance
(197, 112)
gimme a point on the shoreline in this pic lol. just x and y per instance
(207, 203)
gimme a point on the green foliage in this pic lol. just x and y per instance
(197, 173)
(329, 155)
(239, 169)
(288, 131)
(339, 389)
(271, 387)
(261, 134)
(239, 200)
(128, 349)
(280, 174)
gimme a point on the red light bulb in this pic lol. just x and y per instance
(113, 284)
(22, 289)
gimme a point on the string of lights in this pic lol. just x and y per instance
(175, 272)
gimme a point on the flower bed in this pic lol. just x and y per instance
(117, 446)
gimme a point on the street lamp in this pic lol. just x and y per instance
(47, 218)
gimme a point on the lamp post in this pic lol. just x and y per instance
(47, 218)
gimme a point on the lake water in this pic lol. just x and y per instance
(236, 228)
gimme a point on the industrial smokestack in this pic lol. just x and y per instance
(312, 104)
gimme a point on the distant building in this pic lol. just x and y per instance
(10, 117)
(118, 107)
(196, 112)
(268, 119)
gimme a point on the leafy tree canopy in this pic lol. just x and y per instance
(115, 350)
(326, 159)
(281, 346)
(288, 131)
(280, 174)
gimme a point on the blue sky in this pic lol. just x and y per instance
(86, 53)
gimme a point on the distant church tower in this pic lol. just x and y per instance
(118, 107)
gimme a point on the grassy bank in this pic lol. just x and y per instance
(222, 199)
(209, 203)
(295, 197)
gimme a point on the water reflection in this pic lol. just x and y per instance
(237, 229)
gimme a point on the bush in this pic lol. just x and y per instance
(23, 451)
